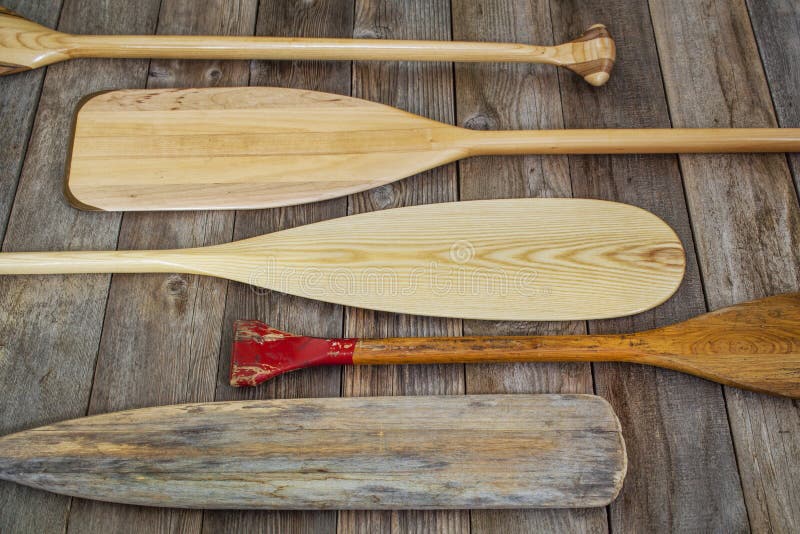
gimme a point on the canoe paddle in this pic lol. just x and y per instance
(260, 147)
(473, 451)
(753, 346)
(26, 45)
(518, 259)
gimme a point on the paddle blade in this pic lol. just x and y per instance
(25, 45)
(516, 259)
(755, 345)
(474, 451)
(245, 147)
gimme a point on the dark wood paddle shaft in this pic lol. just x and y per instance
(754, 346)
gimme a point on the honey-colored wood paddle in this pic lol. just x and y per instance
(753, 346)
(475, 451)
(259, 147)
(26, 45)
(524, 259)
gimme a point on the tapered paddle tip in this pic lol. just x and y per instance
(593, 55)
(261, 352)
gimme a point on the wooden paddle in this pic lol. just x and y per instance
(753, 346)
(519, 259)
(476, 451)
(259, 147)
(26, 45)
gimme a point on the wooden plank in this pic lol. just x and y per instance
(161, 336)
(503, 96)
(367, 453)
(776, 24)
(323, 18)
(746, 219)
(425, 89)
(674, 480)
(54, 323)
(19, 96)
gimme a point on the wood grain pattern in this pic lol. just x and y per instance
(519, 97)
(685, 476)
(320, 18)
(161, 337)
(425, 89)
(40, 316)
(477, 451)
(527, 259)
(747, 222)
(754, 345)
(25, 45)
(264, 147)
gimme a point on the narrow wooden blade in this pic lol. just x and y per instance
(242, 147)
(753, 345)
(482, 451)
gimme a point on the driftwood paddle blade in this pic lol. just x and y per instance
(516, 259)
(482, 451)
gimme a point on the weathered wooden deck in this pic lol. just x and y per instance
(703, 458)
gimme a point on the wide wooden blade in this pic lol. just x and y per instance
(242, 147)
(259, 147)
(481, 451)
(516, 259)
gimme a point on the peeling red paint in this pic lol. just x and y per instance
(261, 352)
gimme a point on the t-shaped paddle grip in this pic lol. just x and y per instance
(593, 53)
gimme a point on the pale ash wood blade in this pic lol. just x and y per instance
(516, 259)
(260, 147)
(477, 451)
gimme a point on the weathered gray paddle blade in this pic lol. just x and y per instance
(481, 451)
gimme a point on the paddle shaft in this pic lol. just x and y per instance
(75, 262)
(25, 45)
(753, 345)
(498, 349)
(762, 365)
(303, 48)
(629, 141)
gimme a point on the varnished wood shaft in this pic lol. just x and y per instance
(287, 48)
(630, 141)
(26, 45)
(754, 345)
(497, 349)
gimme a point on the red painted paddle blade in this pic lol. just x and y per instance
(261, 352)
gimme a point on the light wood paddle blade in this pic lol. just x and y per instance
(517, 259)
(476, 451)
(261, 147)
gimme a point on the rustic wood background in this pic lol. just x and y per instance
(703, 458)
